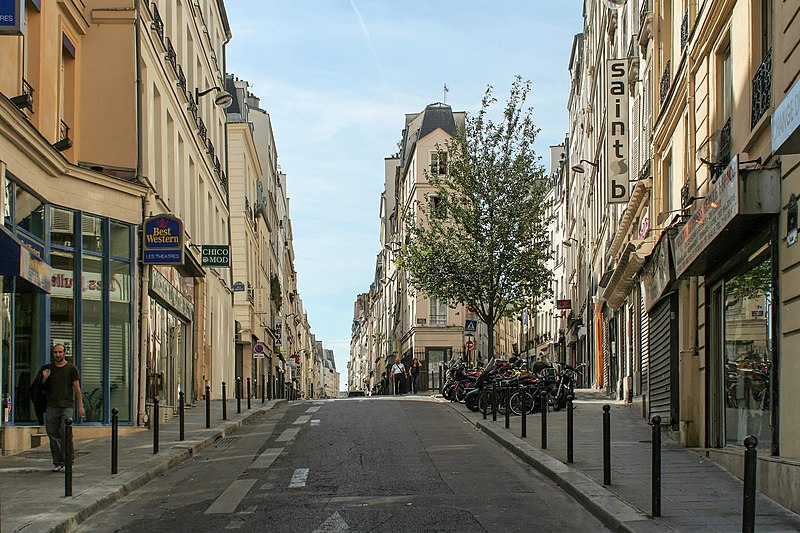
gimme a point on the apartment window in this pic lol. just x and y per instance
(766, 27)
(67, 86)
(667, 185)
(438, 163)
(438, 312)
(438, 207)
(726, 85)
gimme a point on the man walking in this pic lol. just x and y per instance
(398, 372)
(62, 385)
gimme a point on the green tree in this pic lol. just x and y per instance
(484, 241)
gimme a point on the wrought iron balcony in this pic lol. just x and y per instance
(63, 142)
(685, 30)
(171, 56)
(645, 22)
(157, 23)
(217, 165)
(201, 129)
(63, 131)
(181, 78)
(665, 83)
(762, 89)
(24, 100)
(210, 149)
(191, 106)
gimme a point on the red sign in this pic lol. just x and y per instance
(563, 304)
(470, 344)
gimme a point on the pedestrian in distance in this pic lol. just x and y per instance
(62, 389)
(413, 374)
(398, 372)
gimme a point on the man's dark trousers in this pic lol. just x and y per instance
(55, 422)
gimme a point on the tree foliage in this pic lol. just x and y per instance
(485, 242)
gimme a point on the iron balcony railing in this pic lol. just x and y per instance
(210, 149)
(685, 30)
(192, 106)
(665, 83)
(762, 89)
(181, 78)
(171, 56)
(643, 12)
(201, 129)
(157, 23)
(63, 131)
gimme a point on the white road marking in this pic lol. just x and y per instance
(334, 524)
(266, 459)
(302, 419)
(315, 422)
(299, 478)
(228, 500)
(288, 435)
(312, 409)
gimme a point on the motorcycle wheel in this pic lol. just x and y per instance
(471, 402)
(461, 392)
(488, 398)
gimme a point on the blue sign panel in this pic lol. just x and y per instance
(11, 16)
(162, 240)
(471, 326)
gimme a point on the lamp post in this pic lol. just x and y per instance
(222, 99)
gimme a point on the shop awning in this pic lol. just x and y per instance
(17, 260)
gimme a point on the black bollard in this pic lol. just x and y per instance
(263, 389)
(238, 394)
(749, 499)
(441, 379)
(224, 403)
(485, 395)
(155, 424)
(523, 395)
(181, 416)
(114, 440)
(494, 402)
(543, 408)
(656, 423)
(208, 407)
(570, 435)
(68, 457)
(606, 444)
(508, 406)
(248, 394)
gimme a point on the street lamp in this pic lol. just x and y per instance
(579, 168)
(222, 99)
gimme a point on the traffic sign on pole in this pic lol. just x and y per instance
(470, 344)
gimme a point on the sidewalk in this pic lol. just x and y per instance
(697, 494)
(32, 497)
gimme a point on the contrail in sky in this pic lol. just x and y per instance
(366, 36)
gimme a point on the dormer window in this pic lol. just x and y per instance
(438, 163)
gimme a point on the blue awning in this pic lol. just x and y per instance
(17, 260)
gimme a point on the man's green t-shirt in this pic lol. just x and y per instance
(59, 385)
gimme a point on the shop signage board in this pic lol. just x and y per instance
(166, 291)
(162, 240)
(563, 304)
(617, 131)
(12, 16)
(785, 123)
(655, 276)
(718, 209)
(216, 255)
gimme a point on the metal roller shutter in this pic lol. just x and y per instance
(663, 359)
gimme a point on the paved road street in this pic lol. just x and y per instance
(372, 464)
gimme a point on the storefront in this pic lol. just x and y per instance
(731, 240)
(89, 308)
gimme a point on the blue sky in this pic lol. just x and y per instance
(338, 76)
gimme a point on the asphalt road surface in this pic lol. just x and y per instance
(381, 464)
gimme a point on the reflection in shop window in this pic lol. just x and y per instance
(748, 354)
(62, 301)
(62, 227)
(29, 212)
(92, 374)
(120, 337)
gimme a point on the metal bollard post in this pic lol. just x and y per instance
(208, 407)
(263, 388)
(523, 394)
(485, 395)
(224, 403)
(570, 434)
(494, 402)
(656, 422)
(508, 407)
(248, 394)
(181, 416)
(543, 408)
(68, 447)
(606, 444)
(441, 379)
(749, 500)
(114, 440)
(155, 424)
(238, 394)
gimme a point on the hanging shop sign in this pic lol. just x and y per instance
(563, 304)
(656, 274)
(166, 291)
(162, 239)
(617, 131)
(216, 255)
(12, 16)
(785, 123)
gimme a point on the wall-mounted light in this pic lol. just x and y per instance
(222, 99)
(568, 242)
(579, 168)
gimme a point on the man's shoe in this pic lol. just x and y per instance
(58, 468)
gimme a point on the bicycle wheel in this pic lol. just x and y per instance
(520, 398)
(490, 398)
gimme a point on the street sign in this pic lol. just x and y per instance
(471, 325)
(238, 286)
(470, 344)
(259, 350)
(216, 255)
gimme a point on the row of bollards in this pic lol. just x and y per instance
(750, 455)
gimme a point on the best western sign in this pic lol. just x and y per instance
(162, 239)
(617, 131)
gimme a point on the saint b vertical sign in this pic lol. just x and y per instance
(617, 148)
